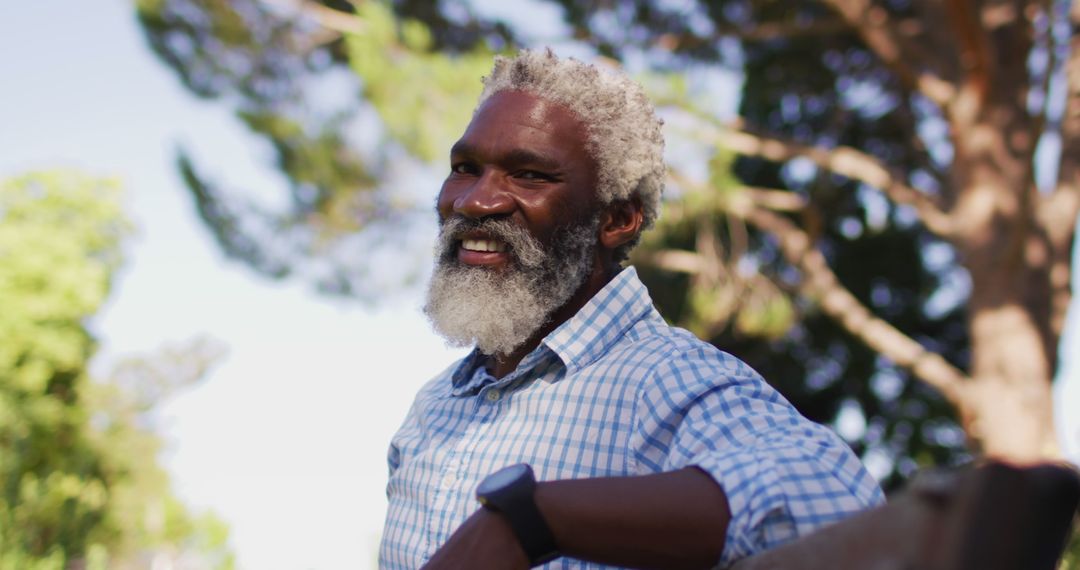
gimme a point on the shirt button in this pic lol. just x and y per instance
(448, 481)
(493, 395)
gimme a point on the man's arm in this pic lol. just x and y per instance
(667, 520)
(711, 439)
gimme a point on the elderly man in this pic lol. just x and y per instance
(582, 430)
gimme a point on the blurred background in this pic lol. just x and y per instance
(216, 222)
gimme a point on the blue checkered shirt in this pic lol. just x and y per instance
(615, 391)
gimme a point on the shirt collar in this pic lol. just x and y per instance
(465, 376)
(602, 321)
(580, 340)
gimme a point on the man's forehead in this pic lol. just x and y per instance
(524, 128)
(512, 108)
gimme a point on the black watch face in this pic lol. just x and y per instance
(502, 478)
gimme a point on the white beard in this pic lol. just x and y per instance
(499, 310)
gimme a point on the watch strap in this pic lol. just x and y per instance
(532, 532)
(515, 500)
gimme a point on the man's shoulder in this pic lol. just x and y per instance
(655, 344)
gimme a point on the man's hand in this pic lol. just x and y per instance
(485, 540)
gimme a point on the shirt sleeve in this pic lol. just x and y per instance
(393, 454)
(783, 475)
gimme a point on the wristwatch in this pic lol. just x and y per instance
(509, 491)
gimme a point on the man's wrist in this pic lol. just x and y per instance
(495, 526)
(511, 493)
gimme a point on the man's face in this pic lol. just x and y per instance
(518, 230)
(521, 158)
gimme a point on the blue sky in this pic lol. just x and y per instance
(286, 439)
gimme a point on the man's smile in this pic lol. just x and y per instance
(482, 250)
(483, 245)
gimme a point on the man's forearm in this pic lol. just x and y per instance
(668, 520)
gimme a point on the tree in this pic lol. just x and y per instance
(268, 65)
(932, 115)
(892, 224)
(79, 478)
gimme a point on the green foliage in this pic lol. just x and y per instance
(247, 52)
(424, 97)
(79, 476)
(59, 243)
(267, 63)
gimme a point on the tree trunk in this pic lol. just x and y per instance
(1007, 254)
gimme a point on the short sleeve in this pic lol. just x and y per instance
(783, 475)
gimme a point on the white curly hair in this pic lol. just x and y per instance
(624, 136)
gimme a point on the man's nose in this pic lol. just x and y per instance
(486, 196)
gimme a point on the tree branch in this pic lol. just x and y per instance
(873, 25)
(836, 301)
(972, 42)
(821, 284)
(776, 200)
(334, 21)
(675, 260)
(845, 161)
(764, 32)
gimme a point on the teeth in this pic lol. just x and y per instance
(483, 245)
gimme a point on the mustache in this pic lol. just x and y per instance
(521, 245)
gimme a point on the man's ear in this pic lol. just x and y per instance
(620, 222)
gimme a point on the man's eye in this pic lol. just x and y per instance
(463, 168)
(533, 175)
